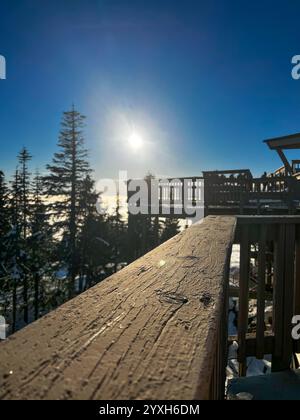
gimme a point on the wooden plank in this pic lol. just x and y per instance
(297, 282)
(289, 281)
(221, 359)
(284, 160)
(297, 272)
(148, 332)
(278, 308)
(223, 355)
(261, 289)
(243, 298)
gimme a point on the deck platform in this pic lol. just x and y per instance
(276, 386)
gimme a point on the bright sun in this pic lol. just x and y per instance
(135, 141)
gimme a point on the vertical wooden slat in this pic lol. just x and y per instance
(243, 299)
(218, 370)
(269, 279)
(297, 282)
(194, 199)
(171, 198)
(224, 332)
(217, 386)
(261, 289)
(278, 298)
(288, 295)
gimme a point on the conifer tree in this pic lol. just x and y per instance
(4, 217)
(25, 189)
(24, 207)
(67, 172)
(4, 230)
(170, 228)
(13, 245)
(3, 204)
(40, 242)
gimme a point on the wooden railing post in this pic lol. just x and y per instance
(243, 299)
(261, 291)
(297, 282)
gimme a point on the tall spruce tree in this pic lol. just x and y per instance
(67, 172)
(3, 205)
(4, 218)
(14, 244)
(5, 286)
(24, 158)
(40, 242)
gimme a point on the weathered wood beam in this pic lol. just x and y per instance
(148, 332)
(286, 163)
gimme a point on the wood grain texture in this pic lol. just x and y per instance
(147, 332)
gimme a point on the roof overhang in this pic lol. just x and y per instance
(284, 143)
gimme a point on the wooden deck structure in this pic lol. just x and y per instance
(238, 192)
(158, 328)
(227, 192)
(279, 144)
(247, 195)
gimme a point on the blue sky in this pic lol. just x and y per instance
(202, 82)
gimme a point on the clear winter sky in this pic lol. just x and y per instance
(202, 82)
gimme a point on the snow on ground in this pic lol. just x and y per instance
(255, 366)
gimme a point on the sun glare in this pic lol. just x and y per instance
(135, 141)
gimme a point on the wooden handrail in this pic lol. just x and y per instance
(154, 330)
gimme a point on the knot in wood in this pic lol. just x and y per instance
(206, 299)
(172, 298)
